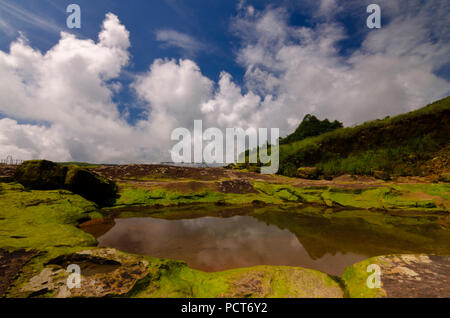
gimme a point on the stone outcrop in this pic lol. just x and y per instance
(311, 173)
(445, 177)
(401, 276)
(47, 175)
(89, 185)
(105, 272)
(41, 175)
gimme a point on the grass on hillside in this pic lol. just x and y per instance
(399, 145)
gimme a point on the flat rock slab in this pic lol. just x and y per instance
(402, 276)
(105, 272)
(10, 265)
(416, 276)
(282, 282)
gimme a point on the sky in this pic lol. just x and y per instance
(115, 89)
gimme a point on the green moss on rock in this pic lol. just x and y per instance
(42, 219)
(41, 175)
(47, 175)
(90, 185)
(175, 279)
(445, 177)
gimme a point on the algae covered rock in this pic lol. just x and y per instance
(41, 175)
(404, 276)
(89, 185)
(105, 272)
(445, 177)
(47, 175)
(382, 175)
(308, 173)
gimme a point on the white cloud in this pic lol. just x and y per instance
(172, 38)
(174, 89)
(15, 13)
(390, 74)
(66, 89)
(67, 92)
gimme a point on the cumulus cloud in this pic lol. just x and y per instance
(392, 72)
(59, 104)
(65, 90)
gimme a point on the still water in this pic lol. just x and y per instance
(328, 243)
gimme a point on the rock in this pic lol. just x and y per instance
(382, 175)
(90, 185)
(281, 282)
(7, 173)
(41, 175)
(11, 264)
(311, 173)
(445, 177)
(405, 276)
(238, 186)
(6, 179)
(47, 175)
(105, 272)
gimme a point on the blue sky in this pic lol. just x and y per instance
(208, 22)
(230, 63)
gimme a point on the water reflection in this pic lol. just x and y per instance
(214, 244)
(328, 242)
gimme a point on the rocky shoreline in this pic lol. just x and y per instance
(40, 235)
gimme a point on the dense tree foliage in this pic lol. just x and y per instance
(310, 127)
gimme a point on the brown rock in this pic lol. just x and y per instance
(445, 177)
(382, 175)
(311, 173)
(105, 272)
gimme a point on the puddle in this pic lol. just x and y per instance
(328, 243)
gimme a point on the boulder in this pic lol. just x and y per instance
(382, 175)
(89, 185)
(445, 177)
(308, 173)
(47, 175)
(41, 175)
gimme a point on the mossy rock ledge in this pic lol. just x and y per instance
(47, 175)
(41, 175)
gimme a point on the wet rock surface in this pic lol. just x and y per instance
(105, 272)
(10, 265)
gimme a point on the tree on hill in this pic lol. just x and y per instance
(311, 126)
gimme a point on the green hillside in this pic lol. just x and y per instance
(402, 145)
(412, 144)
